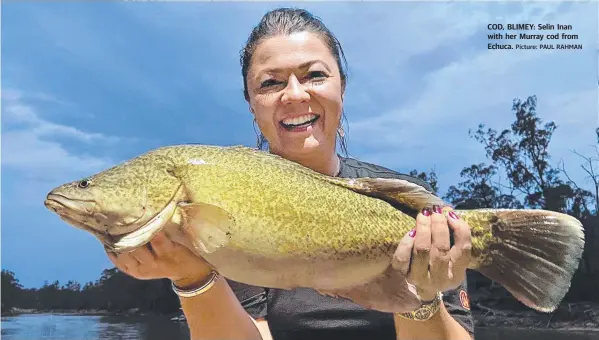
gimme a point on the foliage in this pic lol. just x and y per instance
(430, 178)
(479, 191)
(521, 175)
(114, 291)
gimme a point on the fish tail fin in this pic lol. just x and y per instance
(531, 253)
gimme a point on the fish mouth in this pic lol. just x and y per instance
(81, 213)
(67, 209)
(60, 204)
(54, 205)
(71, 211)
(299, 122)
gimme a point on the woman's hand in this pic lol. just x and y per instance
(434, 267)
(163, 258)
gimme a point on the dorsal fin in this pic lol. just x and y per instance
(404, 195)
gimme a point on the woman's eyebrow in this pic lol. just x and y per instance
(302, 66)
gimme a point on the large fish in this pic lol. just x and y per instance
(262, 220)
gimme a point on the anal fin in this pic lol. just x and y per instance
(388, 293)
(208, 226)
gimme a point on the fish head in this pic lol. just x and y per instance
(117, 201)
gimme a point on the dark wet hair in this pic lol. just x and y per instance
(286, 21)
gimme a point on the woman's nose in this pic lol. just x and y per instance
(294, 92)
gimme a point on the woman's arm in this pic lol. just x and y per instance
(214, 314)
(440, 326)
(432, 265)
(217, 314)
(262, 325)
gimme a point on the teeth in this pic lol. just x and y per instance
(299, 120)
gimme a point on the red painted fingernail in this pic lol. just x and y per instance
(437, 209)
(426, 211)
(453, 215)
(412, 233)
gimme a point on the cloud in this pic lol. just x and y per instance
(86, 44)
(478, 86)
(30, 143)
(14, 95)
(38, 154)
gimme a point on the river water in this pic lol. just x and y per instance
(63, 327)
(71, 327)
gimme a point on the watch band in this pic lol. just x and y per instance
(425, 311)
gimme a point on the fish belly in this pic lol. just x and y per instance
(288, 272)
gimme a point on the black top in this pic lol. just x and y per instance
(306, 314)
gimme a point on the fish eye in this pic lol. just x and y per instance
(84, 184)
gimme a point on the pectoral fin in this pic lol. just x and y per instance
(208, 226)
(402, 194)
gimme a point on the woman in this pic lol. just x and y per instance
(294, 83)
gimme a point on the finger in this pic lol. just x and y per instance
(440, 247)
(129, 264)
(422, 245)
(163, 247)
(145, 257)
(110, 254)
(116, 261)
(446, 209)
(461, 252)
(403, 253)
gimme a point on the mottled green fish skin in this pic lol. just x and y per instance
(288, 226)
(294, 211)
(286, 210)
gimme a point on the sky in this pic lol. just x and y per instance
(88, 85)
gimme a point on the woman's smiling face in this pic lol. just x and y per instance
(295, 93)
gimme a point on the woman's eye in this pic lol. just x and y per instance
(317, 74)
(269, 82)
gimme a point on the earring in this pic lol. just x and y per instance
(341, 132)
(259, 136)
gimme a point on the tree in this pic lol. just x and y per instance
(522, 153)
(586, 201)
(430, 178)
(584, 204)
(11, 290)
(520, 156)
(479, 191)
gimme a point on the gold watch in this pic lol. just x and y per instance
(425, 311)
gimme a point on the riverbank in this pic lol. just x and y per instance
(86, 312)
(569, 316)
